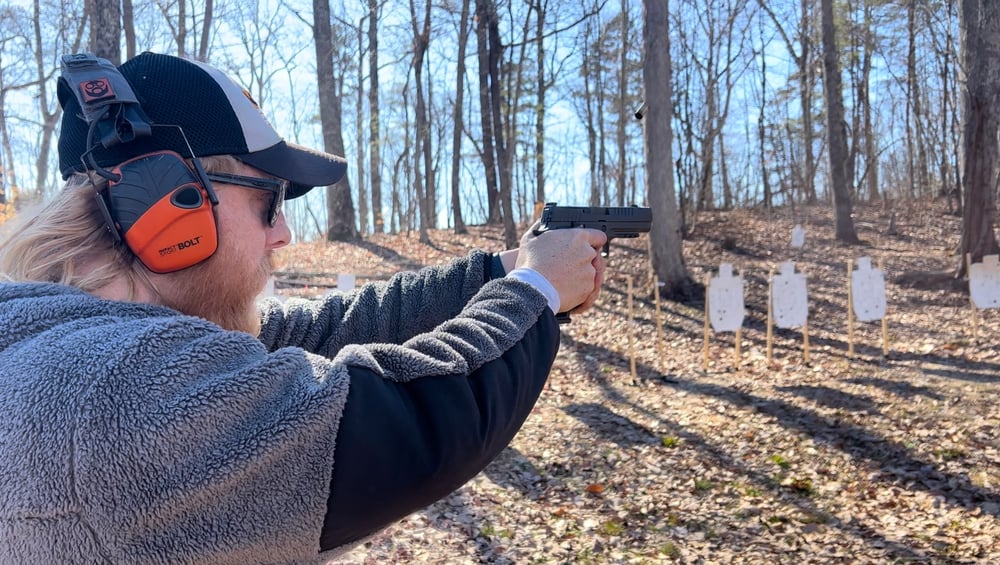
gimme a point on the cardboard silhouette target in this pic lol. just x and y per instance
(798, 236)
(790, 298)
(866, 300)
(868, 291)
(724, 307)
(984, 283)
(788, 305)
(984, 286)
(725, 299)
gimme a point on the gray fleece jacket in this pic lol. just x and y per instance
(130, 433)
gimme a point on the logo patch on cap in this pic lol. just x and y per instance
(250, 98)
(256, 106)
(97, 89)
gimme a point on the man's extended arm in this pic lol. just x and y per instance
(388, 312)
(388, 467)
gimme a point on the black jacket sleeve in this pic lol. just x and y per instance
(403, 445)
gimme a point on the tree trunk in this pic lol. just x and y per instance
(181, 28)
(339, 204)
(49, 117)
(359, 113)
(665, 233)
(622, 98)
(762, 132)
(206, 31)
(421, 41)
(981, 54)
(504, 152)
(128, 25)
(543, 85)
(920, 178)
(106, 30)
(483, 17)
(589, 108)
(374, 118)
(457, 123)
(944, 169)
(871, 153)
(808, 77)
(836, 130)
(7, 176)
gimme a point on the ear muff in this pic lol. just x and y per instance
(161, 211)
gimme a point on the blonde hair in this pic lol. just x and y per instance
(70, 231)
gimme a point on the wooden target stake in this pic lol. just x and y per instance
(649, 255)
(704, 351)
(739, 339)
(659, 326)
(631, 332)
(975, 311)
(805, 341)
(850, 310)
(739, 345)
(885, 317)
(805, 336)
(770, 314)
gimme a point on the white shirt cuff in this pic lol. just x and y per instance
(537, 280)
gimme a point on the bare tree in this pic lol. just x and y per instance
(836, 130)
(765, 173)
(339, 204)
(590, 112)
(423, 183)
(503, 131)
(181, 28)
(496, 151)
(623, 49)
(919, 182)
(49, 110)
(374, 116)
(206, 27)
(665, 235)
(359, 132)
(106, 29)
(200, 36)
(947, 133)
(128, 26)
(981, 57)
(806, 78)
(15, 45)
(485, 14)
(864, 100)
(543, 84)
(457, 125)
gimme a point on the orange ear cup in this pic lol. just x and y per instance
(163, 214)
(169, 237)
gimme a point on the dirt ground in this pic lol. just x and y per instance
(835, 459)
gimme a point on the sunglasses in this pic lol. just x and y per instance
(277, 188)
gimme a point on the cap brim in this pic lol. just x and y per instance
(304, 168)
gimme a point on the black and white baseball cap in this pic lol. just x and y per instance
(217, 116)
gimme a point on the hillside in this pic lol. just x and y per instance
(868, 459)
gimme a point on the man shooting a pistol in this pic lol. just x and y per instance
(154, 413)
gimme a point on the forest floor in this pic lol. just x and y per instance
(834, 459)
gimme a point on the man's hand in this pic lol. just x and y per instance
(570, 260)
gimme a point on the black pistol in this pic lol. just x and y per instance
(623, 221)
